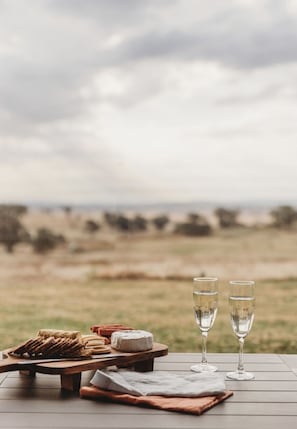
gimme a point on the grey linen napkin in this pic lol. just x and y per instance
(159, 383)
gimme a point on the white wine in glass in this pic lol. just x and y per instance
(242, 308)
(205, 302)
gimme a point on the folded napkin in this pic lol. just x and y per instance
(188, 405)
(159, 383)
(191, 393)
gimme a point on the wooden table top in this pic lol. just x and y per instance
(269, 401)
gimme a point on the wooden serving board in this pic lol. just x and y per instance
(70, 371)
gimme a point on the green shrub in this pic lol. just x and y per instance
(45, 240)
(11, 230)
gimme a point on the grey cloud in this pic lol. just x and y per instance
(247, 48)
(33, 93)
(72, 164)
(109, 9)
(35, 96)
(45, 83)
(225, 32)
(262, 95)
(112, 14)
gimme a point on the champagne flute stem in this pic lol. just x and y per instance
(204, 340)
(240, 360)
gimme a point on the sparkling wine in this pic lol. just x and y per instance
(242, 314)
(205, 308)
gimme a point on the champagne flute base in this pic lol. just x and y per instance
(236, 375)
(203, 367)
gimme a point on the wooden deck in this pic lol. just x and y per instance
(269, 401)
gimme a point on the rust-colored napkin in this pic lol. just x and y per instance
(191, 405)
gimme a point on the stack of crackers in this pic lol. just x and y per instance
(51, 343)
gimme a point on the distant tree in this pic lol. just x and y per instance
(91, 226)
(67, 210)
(12, 231)
(123, 223)
(193, 230)
(195, 226)
(160, 222)
(227, 218)
(45, 240)
(15, 210)
(196, 218)
(139, 223)
(110, 219)
(283, 216)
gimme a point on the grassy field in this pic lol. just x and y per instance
(145, 281)
(162, 307)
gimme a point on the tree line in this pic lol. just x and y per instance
(13, 231)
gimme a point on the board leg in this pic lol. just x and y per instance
(144, 365)
(71, 381)
(28, 372)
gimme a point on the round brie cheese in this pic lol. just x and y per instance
(132, 341)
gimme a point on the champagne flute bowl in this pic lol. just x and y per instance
(242, 308)
(205, 304)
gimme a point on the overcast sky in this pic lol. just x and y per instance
(112, 101)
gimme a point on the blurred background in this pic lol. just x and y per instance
(143, 143)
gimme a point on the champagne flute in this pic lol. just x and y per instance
(242, 306)
(205, 299)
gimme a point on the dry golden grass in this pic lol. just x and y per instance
(163, 307)
(145, 280)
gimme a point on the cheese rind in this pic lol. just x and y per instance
(132, 341)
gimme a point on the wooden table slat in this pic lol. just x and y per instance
(146, 420)
(225, 357)
(268, 402)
